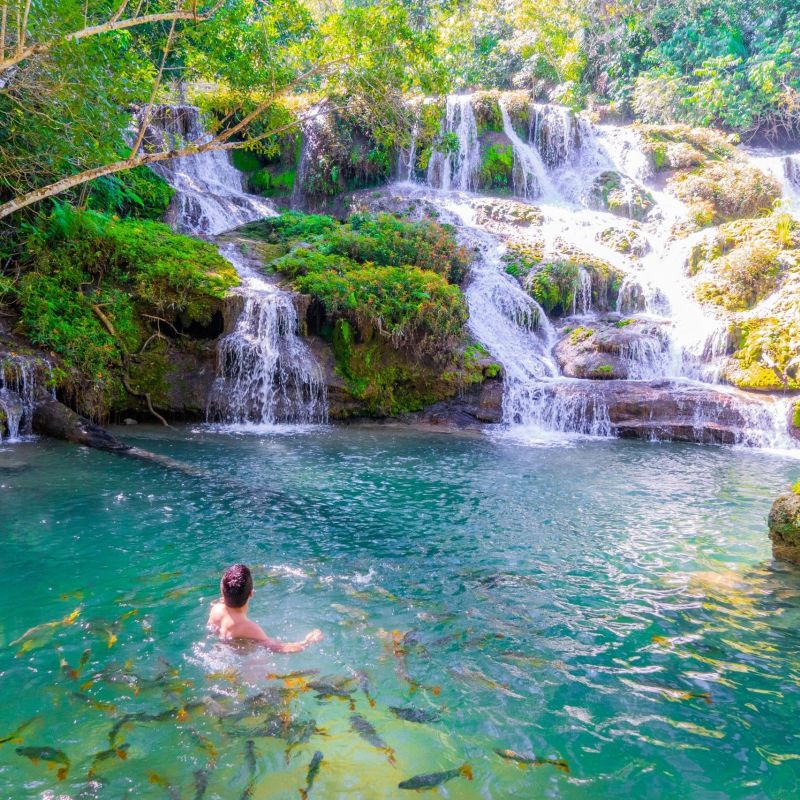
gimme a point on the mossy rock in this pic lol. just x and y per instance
(385, 381)
(683, 147)
(627, 241)
(766, 356)
(497, 167)
(506, 212)
(784, 527)
(745, 261)
(619, 195)
(721, 191)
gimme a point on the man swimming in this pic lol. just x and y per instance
(228, 616)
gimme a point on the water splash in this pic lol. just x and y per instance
(209, 192)
(20, 387)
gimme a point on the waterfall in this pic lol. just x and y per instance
(582, 301)
(459, 169)
(267, 373)
(407, 157)
(530, 174)
(553, 133)
(19, 389)
(785, 169)
(209, 193)
(676, 349)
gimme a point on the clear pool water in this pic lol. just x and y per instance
(610, 604)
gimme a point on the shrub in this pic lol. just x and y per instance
(733, 189)
(400, 303)
(554, 285)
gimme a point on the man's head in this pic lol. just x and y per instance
(237, 586)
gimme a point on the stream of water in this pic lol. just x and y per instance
(612, 605)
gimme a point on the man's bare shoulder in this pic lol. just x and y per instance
(250, 630)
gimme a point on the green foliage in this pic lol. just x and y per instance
(89, 279)
(401, 303)
(293, 226)
(386, 240)
(497, 165)
(554, 286)
(138, 192)
(386, 278)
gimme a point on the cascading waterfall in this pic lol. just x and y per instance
(267, 374)
(530, 174)
(449, 169)
(675, 340)
(209, 193)
(19, 389)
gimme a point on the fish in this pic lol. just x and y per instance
(97, 705)
(302, 673)
(367, 732)
(311, 775)
(533, 761)
(16, 735)
(49, 754)
(200, 783)
(206, 745)
(250, 756)
(415, 714)
(120, 752)
(229, 675)
(476, 676)
(325, 690)
(433, 779)
(39, 635)
(74, 672)
(363, 684)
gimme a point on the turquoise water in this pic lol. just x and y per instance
(610, 604)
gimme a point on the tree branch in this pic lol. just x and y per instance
(113, 24)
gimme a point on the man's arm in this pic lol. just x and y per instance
(287, 647)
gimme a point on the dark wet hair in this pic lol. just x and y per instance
(237, 585)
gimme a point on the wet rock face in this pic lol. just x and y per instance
(612, 350)
(619, 195)
(660, 410)
(506, 212)
(784, 527)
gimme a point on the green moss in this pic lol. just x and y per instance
(580, 334)
(796, 415)
(271, 184)
(554, 286)
(94, 285)
(603, 371)
(497, 166)
(383, 380)
(623, 323)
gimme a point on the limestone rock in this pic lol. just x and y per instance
(619, 195)
(784, 527)
(611, 351)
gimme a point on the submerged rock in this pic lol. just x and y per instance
(784, 527)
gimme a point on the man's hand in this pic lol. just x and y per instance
(314, 636)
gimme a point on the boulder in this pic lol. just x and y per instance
(659, 410)
(784, 527)
(620, 195)
(612, 350)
